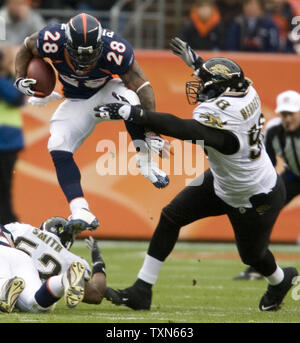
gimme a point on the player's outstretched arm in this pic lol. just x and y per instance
(96, 287)
(170, 125)
(136, 80)
(186, 53)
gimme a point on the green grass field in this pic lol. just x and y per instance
(195, 286)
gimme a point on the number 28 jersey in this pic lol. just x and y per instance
(117, 58)
(249, 171)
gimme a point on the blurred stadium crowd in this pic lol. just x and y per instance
(242, 25)
(232, 25)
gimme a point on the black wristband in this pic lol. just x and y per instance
(137, 115)
(99, 267)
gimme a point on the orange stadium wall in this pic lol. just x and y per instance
(128, 206)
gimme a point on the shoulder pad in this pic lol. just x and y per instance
(117, 54)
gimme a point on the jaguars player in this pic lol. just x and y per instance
(48, 247)
(21, 285)
(10, 287)
(86, 57)
(241, 181)
(281, 137)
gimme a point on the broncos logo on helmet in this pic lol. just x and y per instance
(84, 44)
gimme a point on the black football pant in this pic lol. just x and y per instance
(7, 162)
(252, 227)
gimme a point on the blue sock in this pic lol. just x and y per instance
(68, 174)
(44, 297)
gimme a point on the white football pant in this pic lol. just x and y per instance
(74, 119)
(13, 263)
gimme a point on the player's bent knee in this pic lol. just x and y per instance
(58, 142)
(132, 97)
(175, 215)
(168, 215)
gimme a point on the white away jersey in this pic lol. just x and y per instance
(50, 257)
(250, 171)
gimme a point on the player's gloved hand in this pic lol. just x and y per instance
(150, 170)
(97, 260)
(114, 111)
(158, 144)
(24, 86)
(185, 52)
(35, 101)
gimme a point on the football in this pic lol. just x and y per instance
(44, 75)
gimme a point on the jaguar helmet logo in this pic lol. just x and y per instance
(220, 69)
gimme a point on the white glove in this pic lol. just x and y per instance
(150, 170)
(23, 85)
(157, 144)
(184, 51)
(90, 243)
(35, 101)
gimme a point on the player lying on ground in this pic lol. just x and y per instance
(47, 247)
(86, 57)
(21, 285)
(241, 181)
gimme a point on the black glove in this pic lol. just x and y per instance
(118, 111)
(109, 111)
(97, 260)
(186, 53)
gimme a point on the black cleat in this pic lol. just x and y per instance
(249, 274)
(137, 298)
(274, 295)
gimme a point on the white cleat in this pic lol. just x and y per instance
(10, 294)
(82, 220)
(73, 281)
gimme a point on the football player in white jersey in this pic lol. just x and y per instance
(48, 248)
(282, 138)
(21, 285)
(241, 181)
